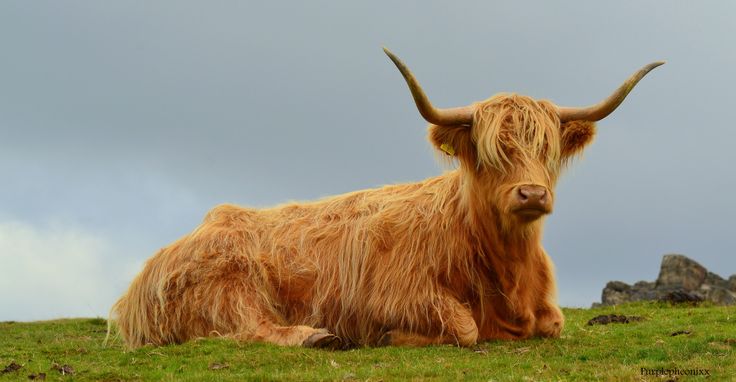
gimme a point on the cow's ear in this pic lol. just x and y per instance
(575, 136)
(454, 141)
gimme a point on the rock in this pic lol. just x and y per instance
(680, 280)
(618, 286)
(715, 280)
(680, 272)
(616, 292)
(681, 297)
(721, 296)
(644, 291)
(732, 283)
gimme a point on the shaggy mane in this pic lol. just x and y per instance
(511, 129)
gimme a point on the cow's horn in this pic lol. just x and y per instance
(603, 109)
(453, 116)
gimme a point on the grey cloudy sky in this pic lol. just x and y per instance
(122, 123)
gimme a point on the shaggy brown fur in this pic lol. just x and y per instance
(439, 261)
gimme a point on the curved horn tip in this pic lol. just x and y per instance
(392, 56)
(452, 116)
(604, 108)
(654, 65)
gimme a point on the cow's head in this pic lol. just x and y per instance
(513, 147)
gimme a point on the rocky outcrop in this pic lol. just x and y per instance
(681, 279)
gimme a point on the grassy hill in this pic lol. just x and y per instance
(700, 339)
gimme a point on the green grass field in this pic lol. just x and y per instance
(583, 353)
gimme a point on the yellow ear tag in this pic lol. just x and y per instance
(448, 149)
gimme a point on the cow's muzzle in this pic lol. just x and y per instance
(531, 202)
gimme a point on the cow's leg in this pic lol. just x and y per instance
(549, 321)
(298, 335)
(452, 323)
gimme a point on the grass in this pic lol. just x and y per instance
(614, 352)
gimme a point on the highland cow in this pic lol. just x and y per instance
(454, 259)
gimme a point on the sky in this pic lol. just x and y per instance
(123, 123)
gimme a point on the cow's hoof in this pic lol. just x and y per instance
(323, 341)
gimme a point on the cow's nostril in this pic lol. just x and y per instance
(523, 195)
(543, 196)
(532, 194)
